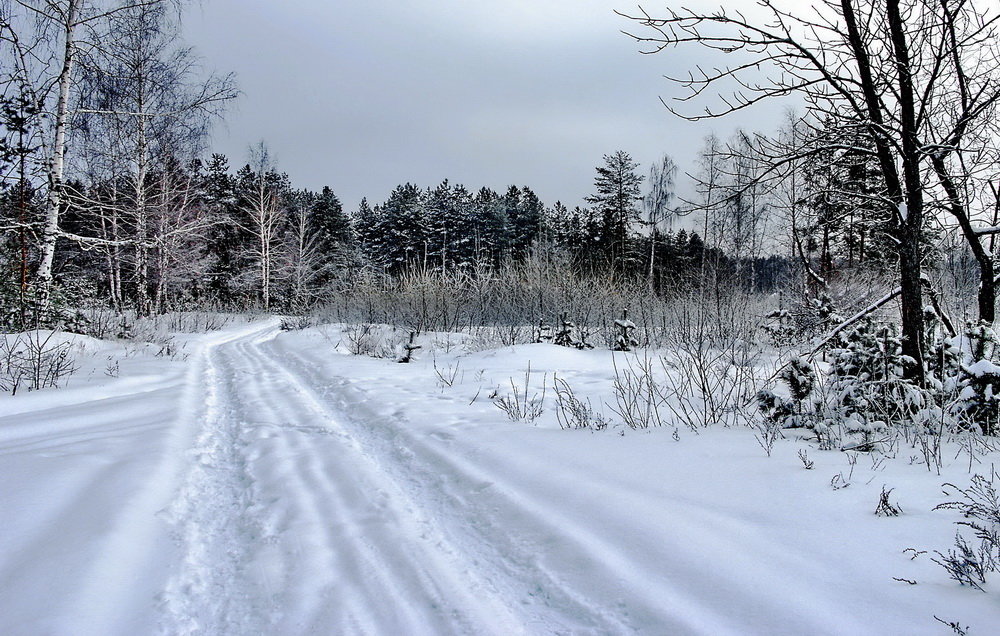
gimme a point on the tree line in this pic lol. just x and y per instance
(249, 238)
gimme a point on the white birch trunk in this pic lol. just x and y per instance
(57, 163)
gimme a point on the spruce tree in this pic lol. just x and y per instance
(329, 222)
(491, 230)
(525, 220)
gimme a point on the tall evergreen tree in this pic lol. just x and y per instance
(492, 227)
(616, 204)
(525, 219)
(402, 230)
(329, 223)
(224, 237)
(366, 227)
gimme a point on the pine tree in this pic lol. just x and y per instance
(329, 222)
(224, 237)
(449, 226)
(491, 231)
(366, 226)
(402, 230)
(616, 198)
(525, 219)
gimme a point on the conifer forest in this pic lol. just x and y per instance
(745, 384)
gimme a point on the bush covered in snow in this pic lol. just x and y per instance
(978, 381)
(863, 393)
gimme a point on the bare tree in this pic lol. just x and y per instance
(147, 109)
(178, 234)
(44, 39)
(885, 69)
(745, 202)
(303, 258)
(147, 82)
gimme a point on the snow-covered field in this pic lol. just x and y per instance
(267, 482)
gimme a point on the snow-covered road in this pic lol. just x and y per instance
(290, 525)
(268, 485)
(236, 499)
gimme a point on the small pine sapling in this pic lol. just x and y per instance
(625, 338)
(944, 360)
(564, 337)
(775, 409)
(780, 325)
(791, 412)
(544, 333)
(801, 379)
(823, 306)
(867, 389)
(978, 401)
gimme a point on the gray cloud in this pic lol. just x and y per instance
(364, 95)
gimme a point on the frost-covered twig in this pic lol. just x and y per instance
(518, 406)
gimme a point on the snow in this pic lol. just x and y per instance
(983, 368)
(987, 229)
(268, 482)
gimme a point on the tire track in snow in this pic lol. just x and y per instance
(211, 593)
(289, 526)
(510, 566)
(401, 574)
(135, 542)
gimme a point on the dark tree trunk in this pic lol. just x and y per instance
(910, 260)
(907, 190)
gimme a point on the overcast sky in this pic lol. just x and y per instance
(363, 95)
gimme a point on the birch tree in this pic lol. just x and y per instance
(656, 205)
(53, 45)
(263, 217)
(43, 40)
(150, 109)
(303, 259)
